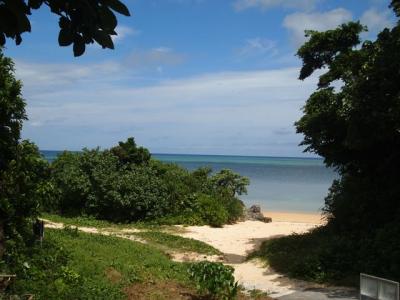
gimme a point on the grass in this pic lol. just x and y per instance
(314, 256)
(77, 265)
(173, 242)
(103, 224)
(161, 240)
(97, 267)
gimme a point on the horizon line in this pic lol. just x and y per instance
(197, 154)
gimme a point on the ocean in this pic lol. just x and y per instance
(276, 183)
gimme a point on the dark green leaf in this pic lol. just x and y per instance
(2, 39)
(108, 19)
(35, 4)
(65, 38)
(79, 46)
(18, 39)
(119, 7)
(103, 39)
(64, 22)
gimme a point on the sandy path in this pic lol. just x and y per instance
(238, 240)
(124, 233)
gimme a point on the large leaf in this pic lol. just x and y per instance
(35, 4)
(108, 19)
(79, 46)
(119, 7)
(65, 38)
(103, 39)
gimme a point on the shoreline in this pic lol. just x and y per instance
(295, 217)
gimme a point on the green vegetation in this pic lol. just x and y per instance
(80, 24)
(215, 280)
(23, 172)
(355, 128)
(174, 242)
(75, 265)
(162, 237)
(314, 256)
(105, 189)
(83, 221)
(124, 185)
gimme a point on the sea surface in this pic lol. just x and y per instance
(276, 183)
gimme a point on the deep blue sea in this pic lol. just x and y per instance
(276, 183)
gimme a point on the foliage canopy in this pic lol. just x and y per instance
(353, 121)
(123, 185)
(81, 22)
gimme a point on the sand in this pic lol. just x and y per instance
(238, 240)
(279, 216)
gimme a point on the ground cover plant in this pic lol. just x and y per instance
(174, 242)
(76, 265)
(215, 280)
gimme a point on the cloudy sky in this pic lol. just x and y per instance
(187, 76)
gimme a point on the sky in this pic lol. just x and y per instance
(186, 76)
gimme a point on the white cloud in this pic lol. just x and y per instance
(258, 46)
(154, 58)
(48, 77)
(227, 112)
(268, 4)
(123, 32)
(296, 23)
(377, 20)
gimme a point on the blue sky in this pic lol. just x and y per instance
(187, 76)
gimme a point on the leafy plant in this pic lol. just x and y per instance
(214, 279)
(212, 211)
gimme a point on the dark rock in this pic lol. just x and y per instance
(266, 220)
(255, 209)
(254, 214)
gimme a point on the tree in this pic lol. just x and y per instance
(128, 153)
(12, 114)
(24, 183)
(232, 182)
(81, 22)
(23, 171)
(352, 120)
(356, 127)
(12, 111)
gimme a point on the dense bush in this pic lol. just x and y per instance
(122, 185)
(93, 183)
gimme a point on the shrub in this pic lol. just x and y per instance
(233, 206)
(214, 279)
(324, 256)
(23, 186)
(212, 211)
(121, 185)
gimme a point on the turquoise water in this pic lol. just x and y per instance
(276, 183)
